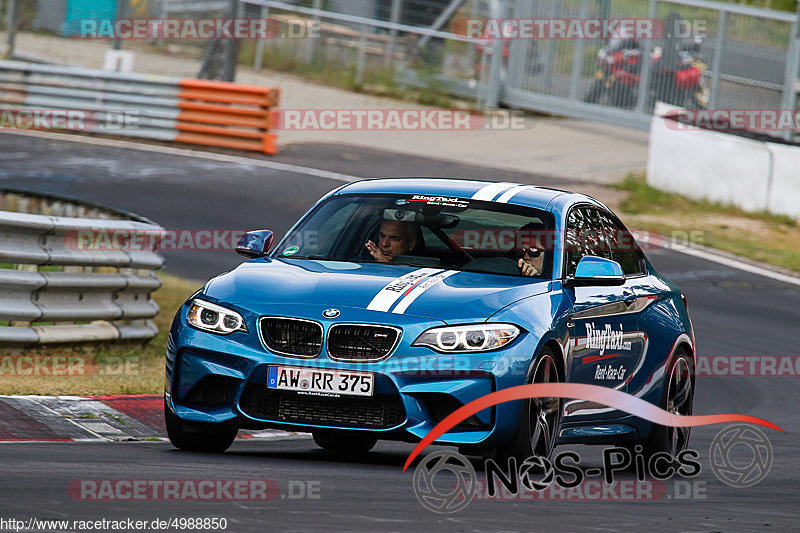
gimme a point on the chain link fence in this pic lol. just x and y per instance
(726, 55)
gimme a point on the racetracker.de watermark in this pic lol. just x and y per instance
(747, 366)
(504, 240)
(67, 119)
(192, 489)
(38, 366)
(169, 240)
(396, 120)
(193, 29)
(733, 119)
(577, 28)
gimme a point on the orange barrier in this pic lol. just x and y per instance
(228, 115)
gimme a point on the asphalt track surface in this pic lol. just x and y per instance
(734, 313)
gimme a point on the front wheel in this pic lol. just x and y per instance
(540, 417)
(199, 436)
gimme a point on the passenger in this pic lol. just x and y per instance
(532, 261)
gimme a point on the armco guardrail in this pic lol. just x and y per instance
(210, 113)
(56, 288)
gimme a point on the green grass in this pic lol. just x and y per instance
(761, 236)
(645, 199)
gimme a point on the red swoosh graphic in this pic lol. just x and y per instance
(593, 358)
(595, 393)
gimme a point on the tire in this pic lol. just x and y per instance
(199, 436)
(677, 397)
(594, 93)
(540, 417)
(345, 442)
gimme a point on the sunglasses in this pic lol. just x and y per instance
(532, 252)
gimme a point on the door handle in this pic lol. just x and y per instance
(570, 322)
(628, 297)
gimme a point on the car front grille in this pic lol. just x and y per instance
(361, 342)
(291, 336)
(376, 412)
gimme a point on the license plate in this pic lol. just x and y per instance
(321, 380)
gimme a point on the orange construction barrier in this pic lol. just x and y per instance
(229, 115)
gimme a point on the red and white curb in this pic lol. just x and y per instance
(94, 419)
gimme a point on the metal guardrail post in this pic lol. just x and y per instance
(791, 83)
(719, 42)
(643, 96)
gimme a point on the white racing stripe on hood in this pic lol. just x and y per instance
(488, 192)
(395, 289)
(421, 287)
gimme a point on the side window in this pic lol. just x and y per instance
(584, 236)
(624, 249)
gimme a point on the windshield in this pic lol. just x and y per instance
(426, 231)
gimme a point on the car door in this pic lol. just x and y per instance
(604, 343)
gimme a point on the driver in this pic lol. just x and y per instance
(394, 238)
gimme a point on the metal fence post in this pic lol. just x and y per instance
(494, 85)
(261, 43)
(719, 42)
(362, 56)
(312, 41)
(11, 27)
(643, 97)
(394, 18)
(577, 57)
(235, 11)
(122, 12)
(519, 49)
(474, 12)
(790, 84)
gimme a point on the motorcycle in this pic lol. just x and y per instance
(619, 74)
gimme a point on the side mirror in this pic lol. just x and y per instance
(255, 243)
(596, 271)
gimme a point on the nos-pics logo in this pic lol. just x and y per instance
(740, 456)
(446, 498)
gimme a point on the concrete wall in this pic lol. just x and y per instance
(720, 167)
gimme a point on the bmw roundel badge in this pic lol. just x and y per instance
(330, 313)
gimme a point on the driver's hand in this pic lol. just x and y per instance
(526, 268)
(376, 253)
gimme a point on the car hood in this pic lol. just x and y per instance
(431, 293)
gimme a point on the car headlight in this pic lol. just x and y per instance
(214, 318)
(472, 338)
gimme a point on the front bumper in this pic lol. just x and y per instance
(212, 378)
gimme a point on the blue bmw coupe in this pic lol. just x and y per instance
(393, 302)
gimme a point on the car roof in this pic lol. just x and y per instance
(504, 192)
